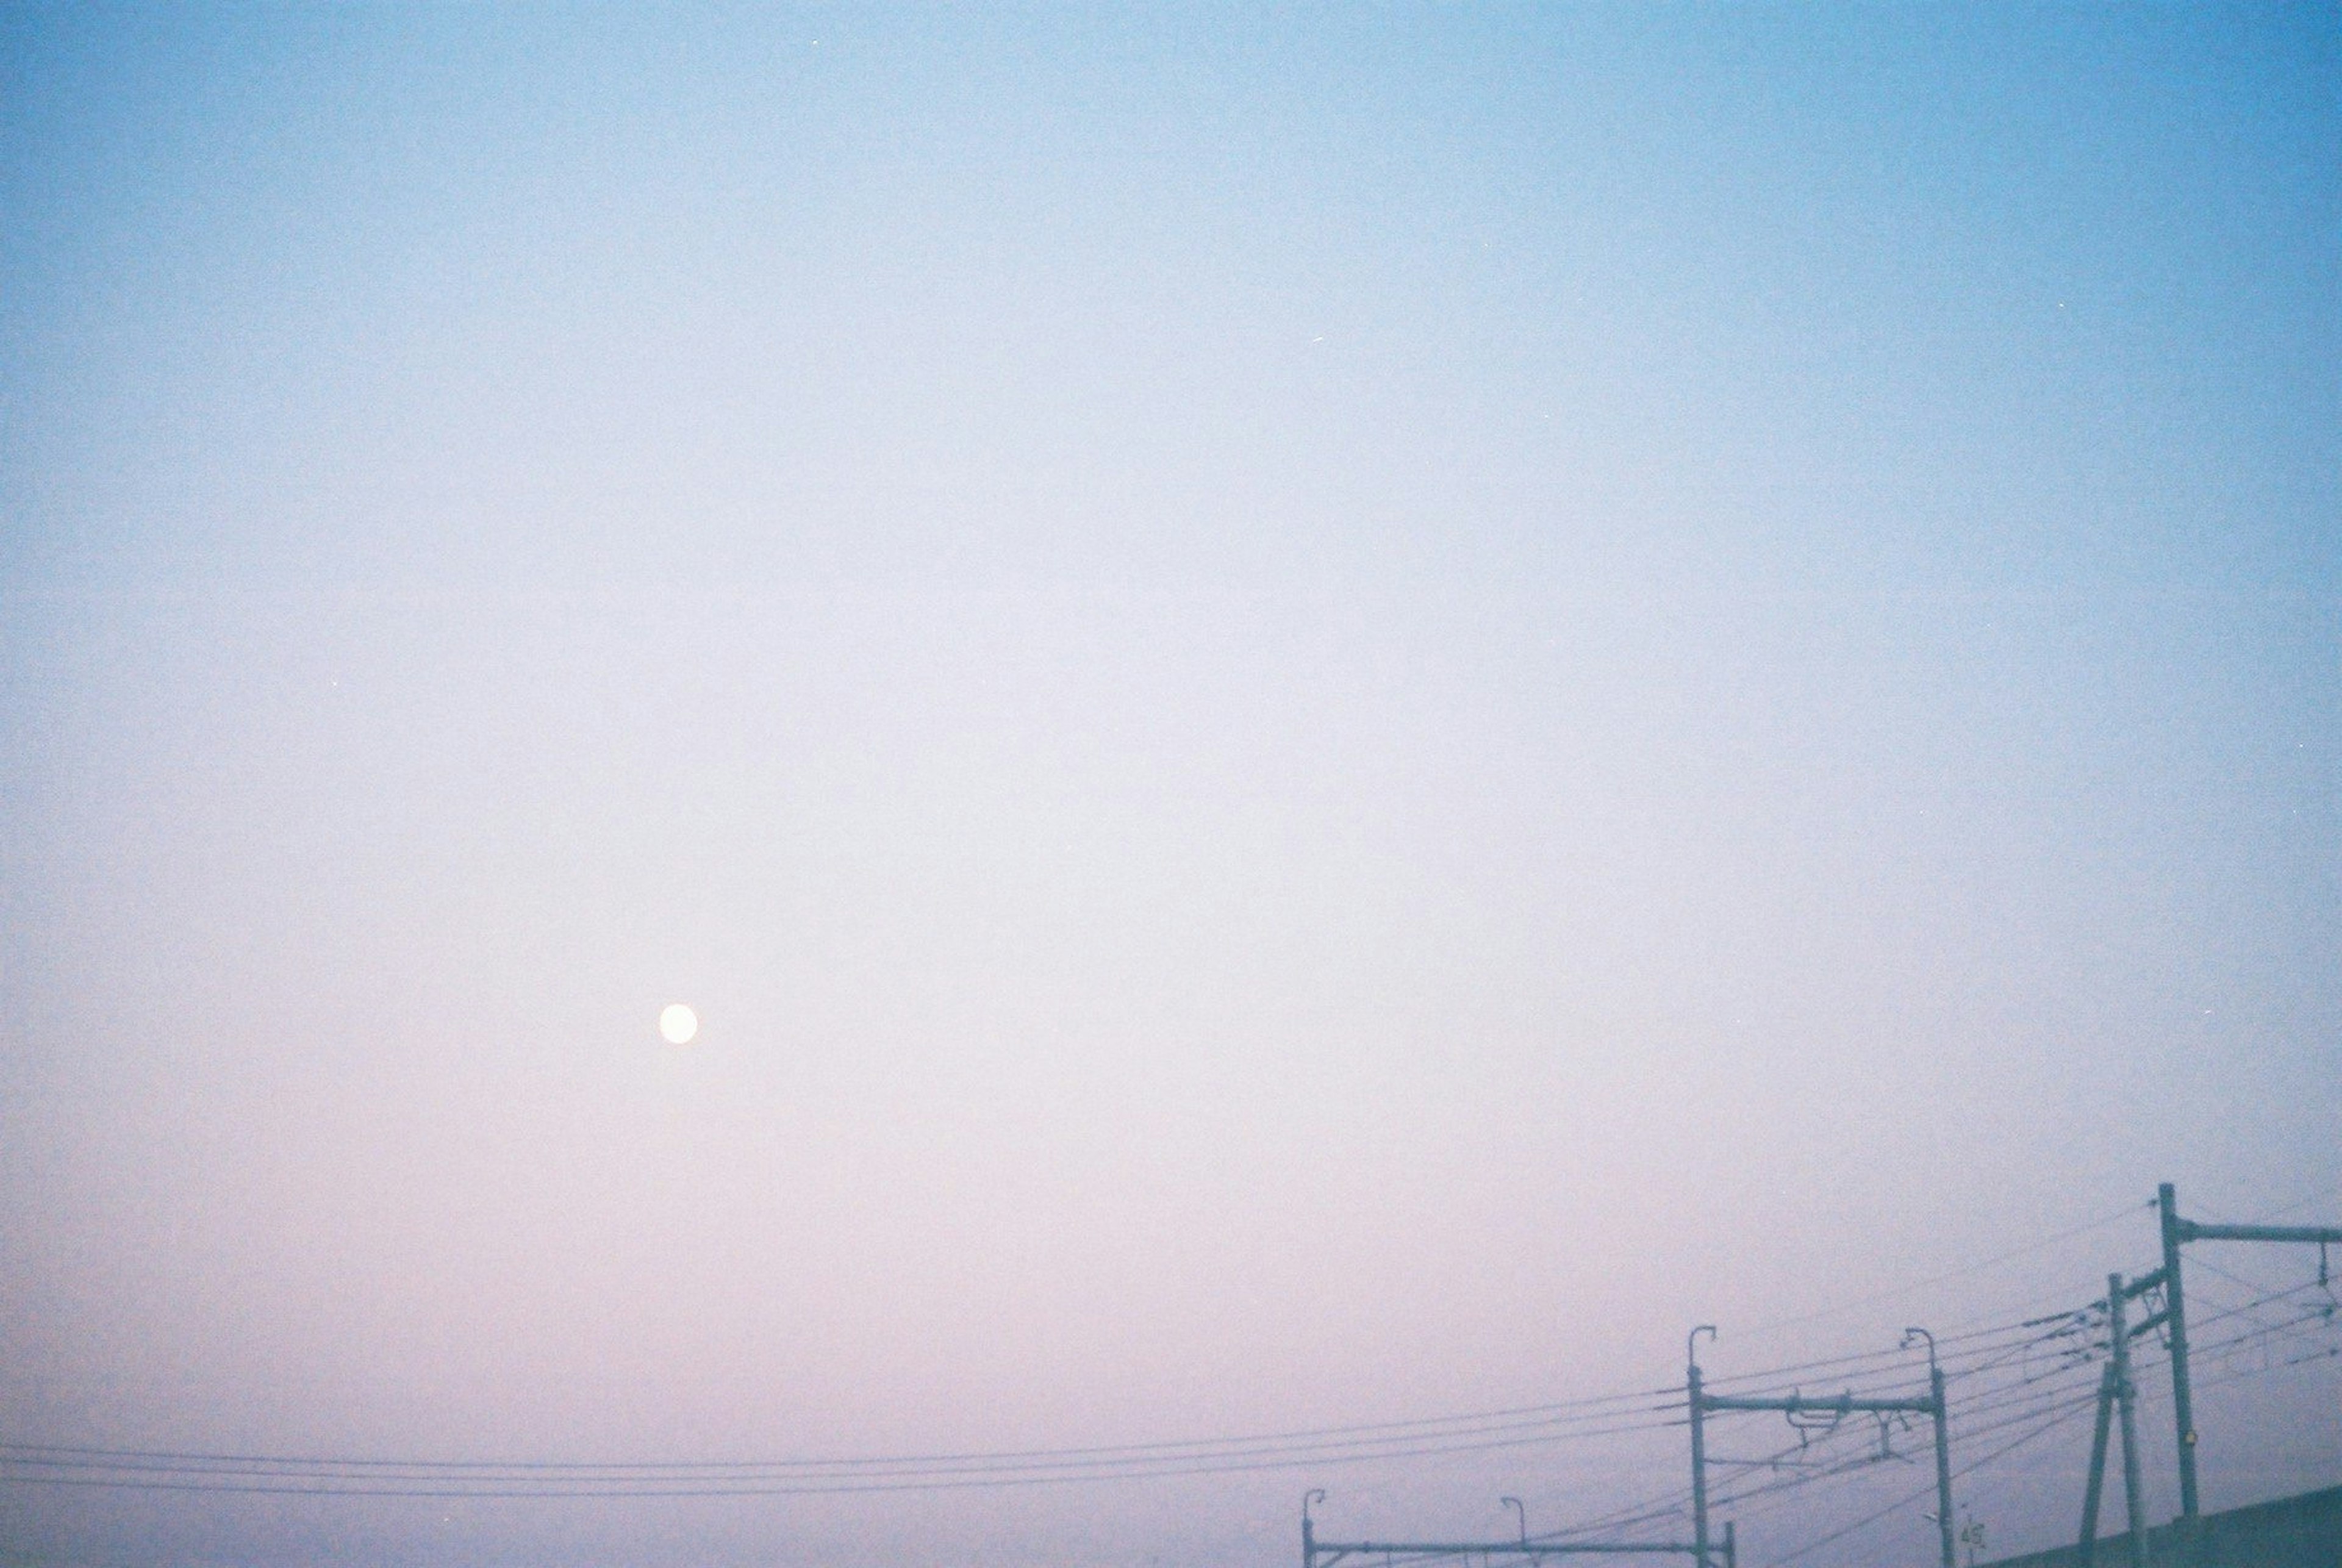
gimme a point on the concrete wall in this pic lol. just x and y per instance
(2304, 1532)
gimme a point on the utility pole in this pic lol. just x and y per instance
(1698, 1442)
(1943, 1441)
(2096, 1489)
(2118, 1333)
(2175, 1318)
(2175, 1232)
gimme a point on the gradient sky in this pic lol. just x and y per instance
(1338, 714)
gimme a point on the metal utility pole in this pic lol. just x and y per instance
(1943, 1441)
(2095, 1490)
(2176, 1232)
(1698, 1442)
(2175, 1318)
(2119, 1334)
(1702, 1403)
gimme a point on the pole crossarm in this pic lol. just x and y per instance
(2311, 1235)
(1839, 1404)
(1330, 1551)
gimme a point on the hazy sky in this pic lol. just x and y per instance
(1338, 714)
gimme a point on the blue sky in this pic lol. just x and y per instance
(1338, 714)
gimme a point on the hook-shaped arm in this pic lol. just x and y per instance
(1691, 1342)
(1315, 1495)
(1911, 1333)
(1514, 1504)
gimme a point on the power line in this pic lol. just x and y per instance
(2031, 1405)
(133, 1471)
(1978, 1357)
(2037, 1402)
(151, 1469)
(1600, 1416)
(2048, 1425)
(1965, 1268)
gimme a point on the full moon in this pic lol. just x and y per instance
(678, 1023)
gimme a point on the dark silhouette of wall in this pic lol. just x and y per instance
(2304, 1532)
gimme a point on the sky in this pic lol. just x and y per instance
(1337, 715)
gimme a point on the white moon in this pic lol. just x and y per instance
(678, 1023)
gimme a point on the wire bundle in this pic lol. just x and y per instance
(180, 1471)
(2009, 1386)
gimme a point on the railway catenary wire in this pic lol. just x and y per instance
(998, 1463)
(2053, 1398)
(157, 1471)
(1523, 1414)
(132, 1476)
(2059, 1321)
(2074, 1408)
(1973, 1353)
(2322, 1288)
(1594, 1417)
(1771, 1493)
(2128, 1211)
(2067, 1392)
(1762, 1506)
(2063, 1394)
(2047, 1426)
(1668, 1507)
(1837, 1365)
(1921, 1495)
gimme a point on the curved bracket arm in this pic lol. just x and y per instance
(1911, 1333)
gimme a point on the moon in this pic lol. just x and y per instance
(677, 1024)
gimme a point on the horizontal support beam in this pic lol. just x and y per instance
(2189, 1231)
(2141, 1285)
(1842, 1404)
(1517, 1548)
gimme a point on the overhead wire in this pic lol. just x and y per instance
(182, 1470)
(2061, 1393)
(1974, 1360)
(1602, 1416)
(2026, 1401)
(2038, 1403)
(1903, 1354)
(2057, 1408)
(2049, 1424)
(427, 1479)
(2128, 1212)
